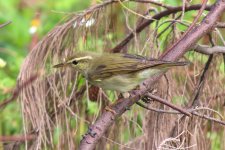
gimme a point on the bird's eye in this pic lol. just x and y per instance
(74, 62)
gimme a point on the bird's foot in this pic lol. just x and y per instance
(108, 108)
(91, 132)
(120, 96)
(133, 93)
(147, 99)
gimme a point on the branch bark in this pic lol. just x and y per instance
(207, 50)
(103, 123)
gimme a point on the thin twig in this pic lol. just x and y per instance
(220, 24)
(192, 111)
(165, 102)
(18, 138)
(166, 29)
(19, 88)
(199, 87)
(205, 49)
(154, 3)
(133, 12)
(5, 24)
(209, 118)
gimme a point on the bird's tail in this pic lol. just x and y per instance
(169, 64)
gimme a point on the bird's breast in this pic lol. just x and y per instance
(121, 83)
(124, 82)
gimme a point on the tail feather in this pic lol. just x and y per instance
(168, 64)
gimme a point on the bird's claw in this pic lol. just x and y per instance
(146, 99)
(91, 132)
(107, 108)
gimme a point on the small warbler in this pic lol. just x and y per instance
(116, 71)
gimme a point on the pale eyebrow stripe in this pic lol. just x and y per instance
(81, 58)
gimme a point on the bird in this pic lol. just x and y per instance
(120, 72)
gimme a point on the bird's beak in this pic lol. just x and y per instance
(59, 65)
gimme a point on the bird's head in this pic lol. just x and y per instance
(79, 62)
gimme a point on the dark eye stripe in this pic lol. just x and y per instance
(74, 62)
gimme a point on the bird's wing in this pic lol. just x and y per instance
(108, 65)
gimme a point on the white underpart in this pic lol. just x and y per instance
(125, 82)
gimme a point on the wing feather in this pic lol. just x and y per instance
(108, 65)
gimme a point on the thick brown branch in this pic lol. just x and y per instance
(98, 129)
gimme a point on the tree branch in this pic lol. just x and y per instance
(18, 138)
(154, 3)
(190, 110)
(207, 50)
(220, 25)
(98, 129)
(19, 88)
(169, 104)
(5, 24)
(146, 23)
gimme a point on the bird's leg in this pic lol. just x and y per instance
(132, 93)
(109, 108)
(147, 99)
(91, 132)
(120, 96)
